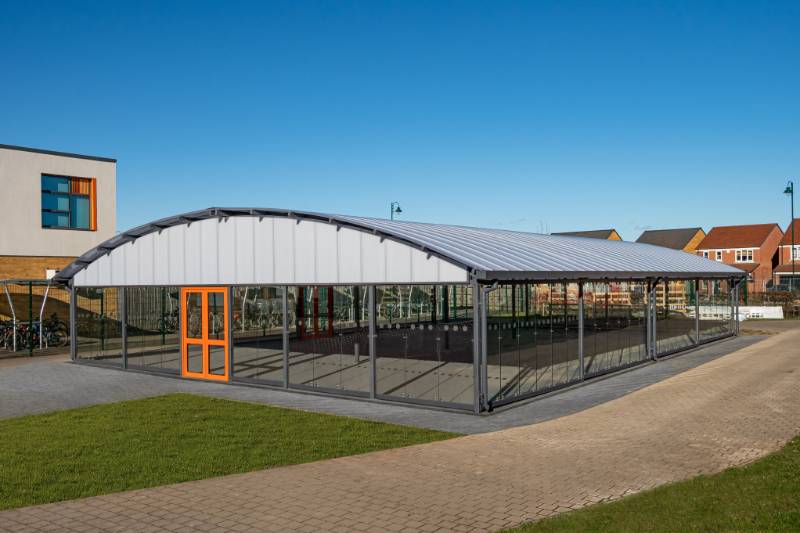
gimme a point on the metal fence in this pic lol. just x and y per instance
(34, 316)
(788, 300)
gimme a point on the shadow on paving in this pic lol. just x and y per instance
(53, 385)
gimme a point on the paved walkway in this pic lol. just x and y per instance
(727, 412)
(48, 385)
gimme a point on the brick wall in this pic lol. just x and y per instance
(26, 267)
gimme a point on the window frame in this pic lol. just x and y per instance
(745, 255)
(91, 196)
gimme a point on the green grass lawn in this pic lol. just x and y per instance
(168, 439)
(762, 496)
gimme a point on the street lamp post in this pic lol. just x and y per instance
(790, 193)
(394, 207)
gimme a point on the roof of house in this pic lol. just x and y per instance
(487, 254)
(592, 234)
(787, 237)
(747, 267)
(677, 239)
(788, 268)
(53, 152)
(745, 236)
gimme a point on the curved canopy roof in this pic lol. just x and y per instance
(487, 254)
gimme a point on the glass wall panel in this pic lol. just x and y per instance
(615, 333)
(532, 338)
(675, 315)
(424, 343)
(153, 328)
(715, 308)
(98, 325)
(258, 333)
(329, 338)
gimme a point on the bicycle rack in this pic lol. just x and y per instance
(41, 314)
(13, 316)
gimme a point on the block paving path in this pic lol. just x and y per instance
(727, 412)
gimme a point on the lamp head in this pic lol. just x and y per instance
(397, 209)
(789, 189)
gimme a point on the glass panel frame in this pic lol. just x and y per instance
(210, 332)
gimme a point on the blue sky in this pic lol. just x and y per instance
(523, 115)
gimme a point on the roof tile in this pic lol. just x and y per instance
(746, 236)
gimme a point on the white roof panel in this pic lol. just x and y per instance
(486, 253)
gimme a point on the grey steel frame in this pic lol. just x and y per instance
(480, 293)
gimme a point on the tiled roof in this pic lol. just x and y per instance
(747, 267)
(592, 234)
(787, 237)
(747, 236)
(677, 239)
(788, 267)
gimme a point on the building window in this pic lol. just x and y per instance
(744, 256)
(796, 252)
(705, 254)
(719, 256)
(68, 202)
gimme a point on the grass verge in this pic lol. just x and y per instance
(761, 496)
(169, 439)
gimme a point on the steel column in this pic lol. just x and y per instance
(652, 311)
(484, 362)
(697, 311)
(580, 330)
(228, 332)
(73, 322)
(30, 319)
(476, 348)
(373, 374)
(123, 313)
(285, 310)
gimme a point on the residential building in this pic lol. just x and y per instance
(55, 206)
(605, 234)
(788, 257)
(752, 248)
(685, 239)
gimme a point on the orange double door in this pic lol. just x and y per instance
(204, 333)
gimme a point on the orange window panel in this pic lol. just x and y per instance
(93, 204)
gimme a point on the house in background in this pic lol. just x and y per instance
(605, 234)
(787, 256)
(55, 206)
(752, 248)
(685, 239)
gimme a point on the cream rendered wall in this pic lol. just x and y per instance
(21, 231)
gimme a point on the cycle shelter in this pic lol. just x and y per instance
(399, 311)
(204, 333)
